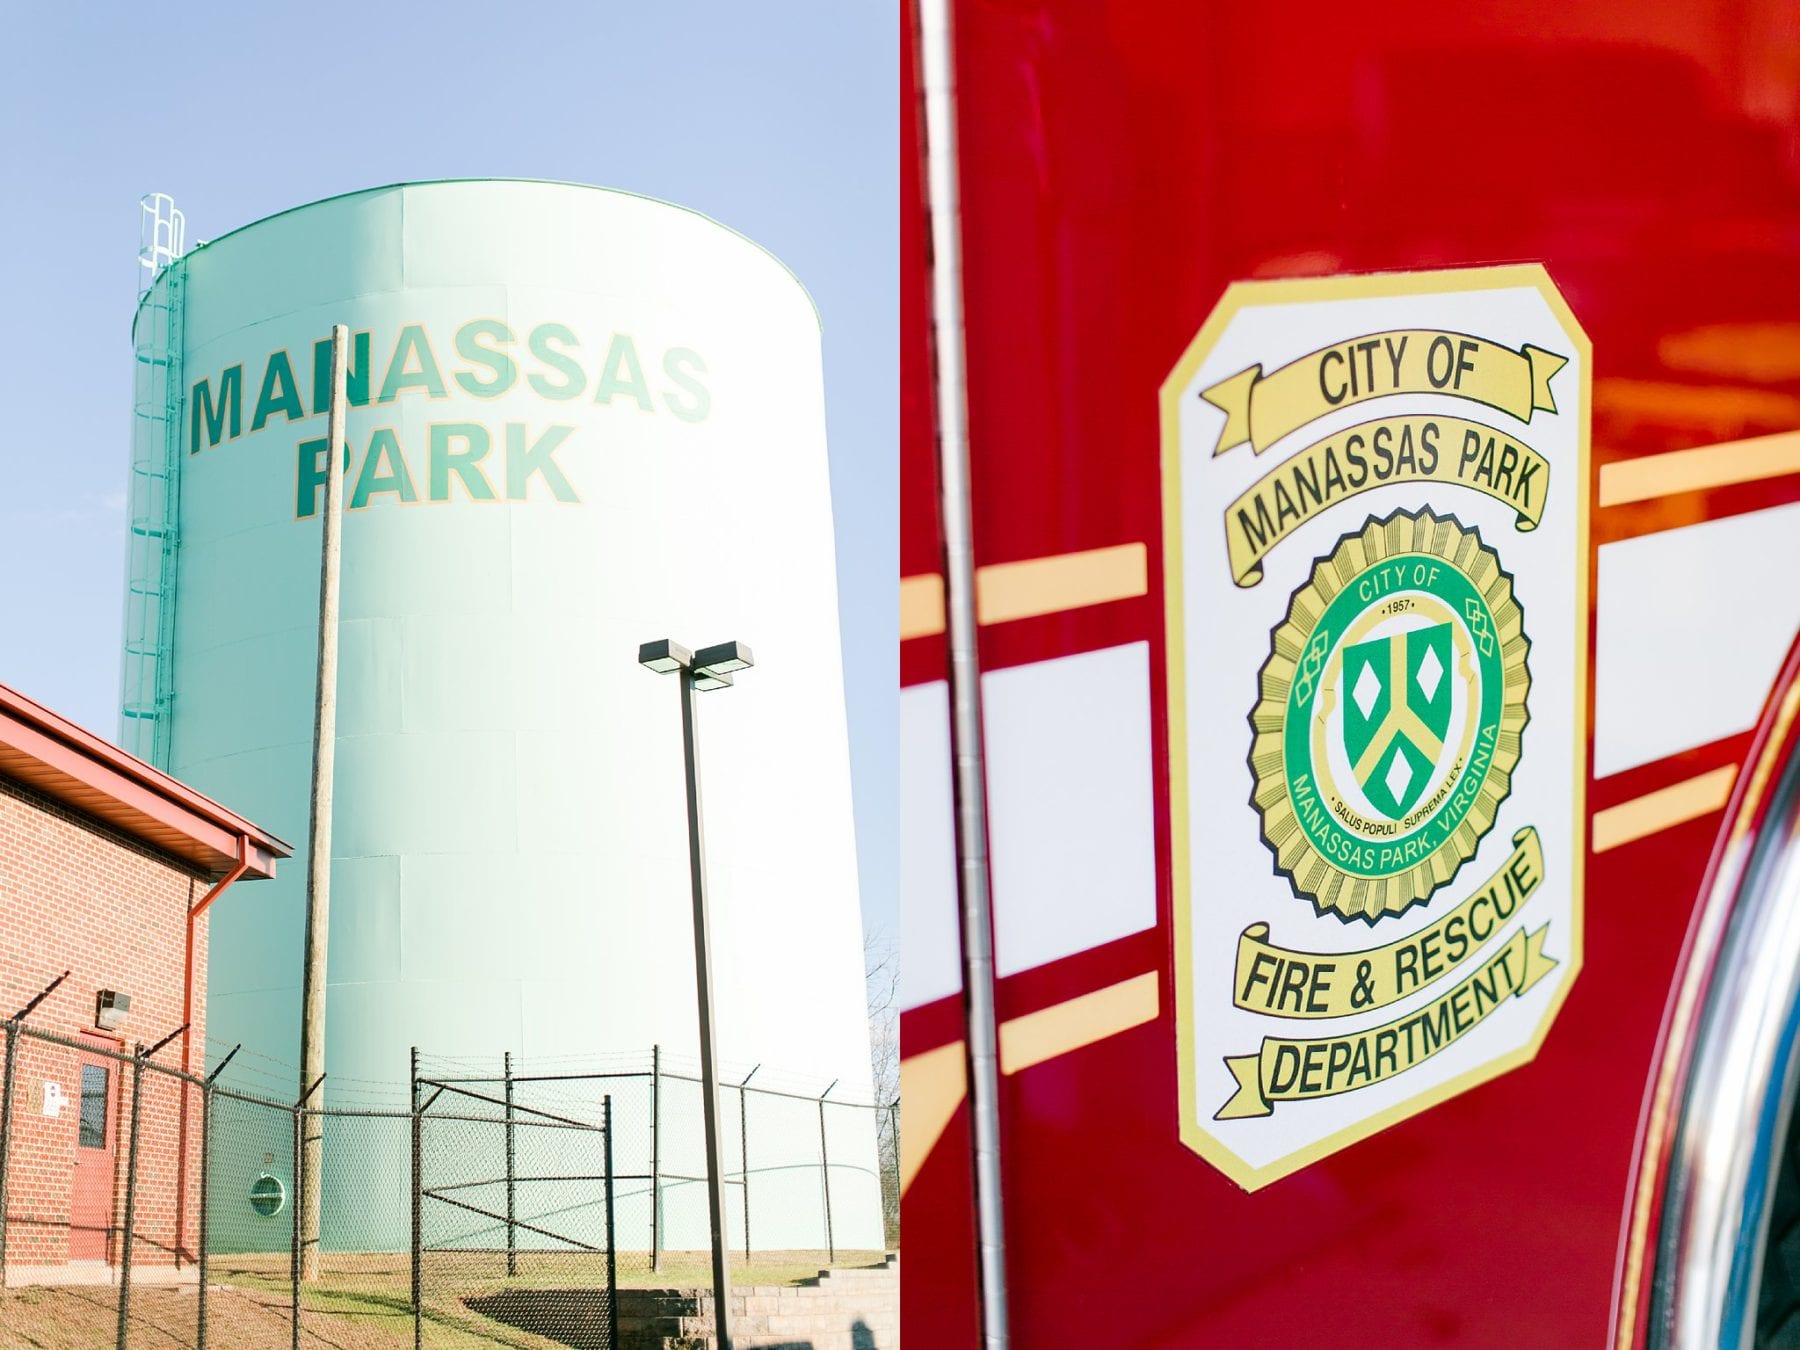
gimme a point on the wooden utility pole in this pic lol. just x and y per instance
(318, 862)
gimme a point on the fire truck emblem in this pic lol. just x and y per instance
(1392, 706)
(1372, 486)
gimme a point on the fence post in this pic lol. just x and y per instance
(418, 1181)
(612, 1269)
(294, 1216)
(131, 1176)
(512, 1250)
(656, 1157)
(744, 1159)
(205, 1176)
(825, 1181)
(206, 1127)
(893, 1169)
(6, 1100)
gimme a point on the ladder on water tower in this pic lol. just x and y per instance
(146, 692)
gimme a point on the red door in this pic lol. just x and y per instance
(91, 1188)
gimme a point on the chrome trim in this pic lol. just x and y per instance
(1737, 1094)
(937, 66)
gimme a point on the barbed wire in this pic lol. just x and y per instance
(561, 1076)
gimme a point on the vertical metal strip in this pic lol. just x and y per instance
(703, 986)
(656, 1157)
(9, 1075)
(418, 1207)
(744, 1160)
(131, 1187)
(612, 1245)
(294, 1226)
(206, 1123)
(512, 1236)
(937, 66)
(825, 1186)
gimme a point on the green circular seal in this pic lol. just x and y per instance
(1393, 703)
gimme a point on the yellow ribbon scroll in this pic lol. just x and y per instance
(1410, 449)
(1282, 983)
(1261, 409)
(1290, 1070)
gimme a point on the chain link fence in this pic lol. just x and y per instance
(142, 1205)
(514, 1215)
(888, 1123)
(102, 1164)
(808, 1177)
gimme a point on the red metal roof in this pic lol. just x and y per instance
(75, 767)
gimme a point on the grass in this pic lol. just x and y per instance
(681, 1270)
(362, 1301)
(241, 1318)
(485, 1271)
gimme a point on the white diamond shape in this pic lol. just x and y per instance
(1399, 774)
(1431, 670)
(1368, 689)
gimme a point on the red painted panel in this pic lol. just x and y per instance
(1121, 164)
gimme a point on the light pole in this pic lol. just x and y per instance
(708, 668)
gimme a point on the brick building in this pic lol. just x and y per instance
(107, 869)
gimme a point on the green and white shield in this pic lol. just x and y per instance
(1397, 714)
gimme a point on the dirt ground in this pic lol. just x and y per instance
(86, 1318)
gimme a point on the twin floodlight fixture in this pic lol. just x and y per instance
(711, 667)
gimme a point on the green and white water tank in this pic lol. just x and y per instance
(581, 420)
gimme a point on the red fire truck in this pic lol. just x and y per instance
(1350, 499)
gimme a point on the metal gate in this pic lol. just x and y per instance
(512, 1215)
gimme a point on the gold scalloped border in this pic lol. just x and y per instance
(1311, 875)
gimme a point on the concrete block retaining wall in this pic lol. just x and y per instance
(838, 1310)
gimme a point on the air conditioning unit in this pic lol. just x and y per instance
(110, 1009)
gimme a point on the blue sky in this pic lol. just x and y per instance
(779, 119)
